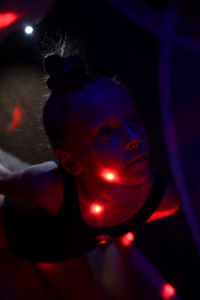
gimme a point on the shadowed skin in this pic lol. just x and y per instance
(104, 133)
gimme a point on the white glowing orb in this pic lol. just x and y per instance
(28, 29)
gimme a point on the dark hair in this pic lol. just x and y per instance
(67, 76)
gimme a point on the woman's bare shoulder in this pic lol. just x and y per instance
(45, 182)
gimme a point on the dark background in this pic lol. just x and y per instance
(113, 45)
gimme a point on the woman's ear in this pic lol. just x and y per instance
(69, 164)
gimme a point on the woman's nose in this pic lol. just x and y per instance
(132, 141)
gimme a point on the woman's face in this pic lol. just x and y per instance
(105, 134)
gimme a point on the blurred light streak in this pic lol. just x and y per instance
(168, 291)
(144, 266)
(8, 18)
(166, 46)
(16, 119)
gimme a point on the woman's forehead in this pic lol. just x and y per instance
(99, 99)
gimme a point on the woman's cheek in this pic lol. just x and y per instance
(108, 152)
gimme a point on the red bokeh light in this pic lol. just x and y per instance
(102, 242)
(168, 291)
(16, 119)
(8, 18)
(96, 208)
(127, 239)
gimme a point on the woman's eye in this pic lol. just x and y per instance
(105, 131)
(133, 119)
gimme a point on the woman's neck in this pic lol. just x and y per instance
(118, 202)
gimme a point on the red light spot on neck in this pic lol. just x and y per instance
(8, 18)
(127, 239)
(168, 291)
(96, 209)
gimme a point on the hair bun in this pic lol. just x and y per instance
(70, 68)
(54, 64)
(74, 64)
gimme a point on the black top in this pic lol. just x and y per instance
(36, 235)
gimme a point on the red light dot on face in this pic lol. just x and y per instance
(127, 239)
(96, 208)
(168, 291)
(109, 175)
(6, 19)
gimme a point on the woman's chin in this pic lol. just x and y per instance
(139, 177)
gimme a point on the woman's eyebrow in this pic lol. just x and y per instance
(96, 123)
(101, 120)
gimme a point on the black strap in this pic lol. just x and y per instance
(138, 219)
(143, 214)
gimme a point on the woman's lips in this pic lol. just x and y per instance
(139, 160)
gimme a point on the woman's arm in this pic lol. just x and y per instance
(39, 184)
(10, 185)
